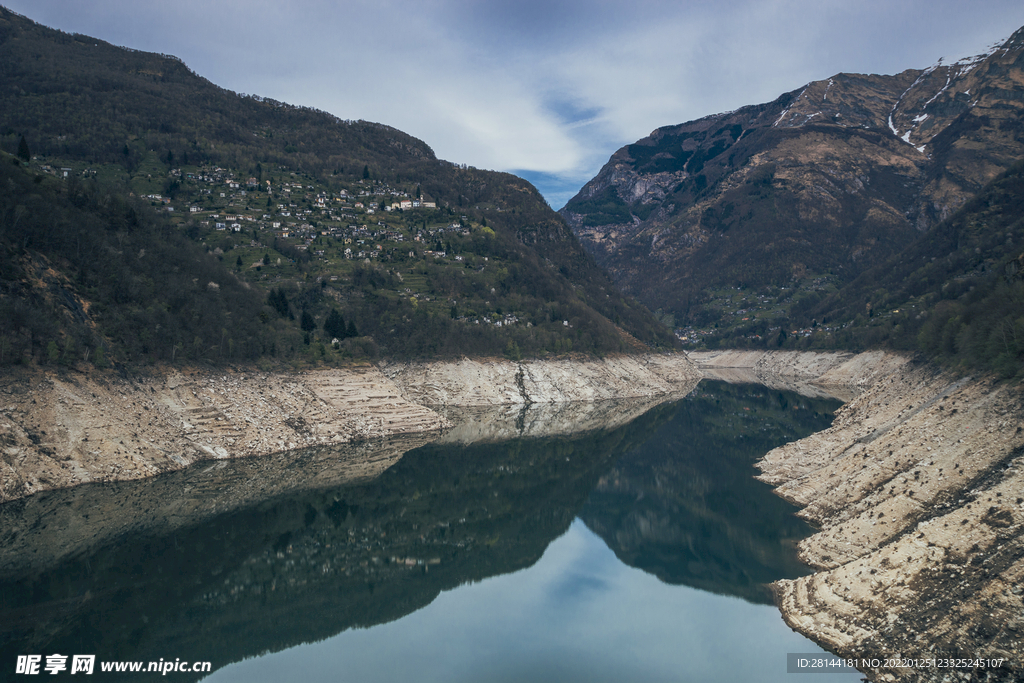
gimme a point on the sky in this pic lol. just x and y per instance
(544, 89)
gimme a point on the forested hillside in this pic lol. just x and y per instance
(956, 293)
(87, 272)
(279, 233)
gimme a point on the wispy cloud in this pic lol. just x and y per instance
(549, 89)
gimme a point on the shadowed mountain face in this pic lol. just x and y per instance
(823, 182)
(684, 505)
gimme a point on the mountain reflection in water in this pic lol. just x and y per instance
(227, 561)
(684, 505)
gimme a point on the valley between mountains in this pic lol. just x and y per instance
(188, 274)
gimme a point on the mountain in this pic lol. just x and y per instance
(955, 293)
(341, 239)
(767, 208)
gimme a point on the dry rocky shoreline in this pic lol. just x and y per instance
(60, 429)
(917, 490)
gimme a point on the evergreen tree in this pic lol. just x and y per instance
(351, 331)
(307, 323)
(334, 326)
(23, 149)
(278, 301)
(366, 172)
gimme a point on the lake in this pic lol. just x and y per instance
(515, 548)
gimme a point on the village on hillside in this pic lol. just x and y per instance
(287, 227)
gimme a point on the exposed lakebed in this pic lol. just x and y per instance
(639, 551)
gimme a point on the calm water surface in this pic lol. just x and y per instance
(639, 553)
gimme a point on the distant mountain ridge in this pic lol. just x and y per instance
(806, 191)
(55, 82)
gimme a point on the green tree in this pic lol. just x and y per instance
(366, 172)
(307, 323)
(334, 326)
(278, 301)
(23, 149)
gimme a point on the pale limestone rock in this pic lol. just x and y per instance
(62, 429)
(918, 492)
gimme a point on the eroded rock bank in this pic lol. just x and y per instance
(839, 374)
(62, 429)
(496, 382)
(482, 424)
(918, 492)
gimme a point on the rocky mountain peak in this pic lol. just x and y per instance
(826, 179)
